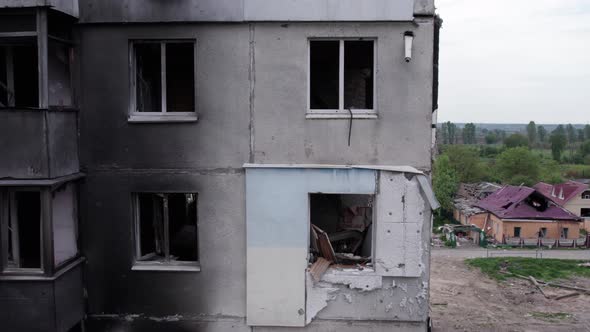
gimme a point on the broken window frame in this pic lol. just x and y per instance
(7, 218)
(163, 115)
(368, 266)
(167, 264)
(47, 268)
(42, 38)
(341, 112)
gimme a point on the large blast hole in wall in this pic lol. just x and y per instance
(341, 228)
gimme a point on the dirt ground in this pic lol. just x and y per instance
(463, 299)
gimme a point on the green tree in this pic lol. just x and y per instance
(531, 130)
(550, 171)
(451, 132)
(558, 142)
(587, 131)
(542, 134)
(465, 162)
(516, 140)
(492, 138)
(585, 148)
(571, 133)
(581, 137)
(445, 182)
(469, 134)
(518, 165)
(444, 133)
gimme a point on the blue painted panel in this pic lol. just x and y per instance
(278, 201)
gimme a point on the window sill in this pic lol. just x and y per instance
(23, 275)
(163, 117)
(166, 267)
(341, 114)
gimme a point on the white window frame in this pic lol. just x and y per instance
(586, 195)
(7, 198)
(163, 116)
(341, 112)
(168, 265)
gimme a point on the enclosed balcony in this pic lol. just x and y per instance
(38, 113)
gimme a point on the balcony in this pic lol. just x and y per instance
(38, 143)
(69, 7)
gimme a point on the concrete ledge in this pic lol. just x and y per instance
(99, 11)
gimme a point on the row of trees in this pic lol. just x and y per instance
(538, 134)
(559, 140)
(450, 133)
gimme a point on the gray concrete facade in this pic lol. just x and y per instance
(252, 90)
(251, 103)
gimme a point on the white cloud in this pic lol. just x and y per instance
(515, 61)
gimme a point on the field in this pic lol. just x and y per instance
(465, 299)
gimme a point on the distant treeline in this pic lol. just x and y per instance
(557, 138)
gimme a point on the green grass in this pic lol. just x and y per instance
(575, 170)
(545, 153)
(543, 269)
(552, 317)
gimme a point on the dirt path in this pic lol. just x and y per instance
(463, 299)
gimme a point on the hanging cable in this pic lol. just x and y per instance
(349, 126)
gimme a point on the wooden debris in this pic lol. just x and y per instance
(324, 245)
(534, 281)
(567, 295)
(583, 290)
(314, 240)
(318, 268)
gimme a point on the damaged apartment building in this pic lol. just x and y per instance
(216, 165)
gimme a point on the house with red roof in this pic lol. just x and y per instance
(525, 213)
(572, 195)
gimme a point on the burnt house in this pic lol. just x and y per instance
(522, 212)
(216, 165)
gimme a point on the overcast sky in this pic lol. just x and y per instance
(513, 61)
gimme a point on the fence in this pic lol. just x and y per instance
(548, 243)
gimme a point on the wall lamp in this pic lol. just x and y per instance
(408, 40)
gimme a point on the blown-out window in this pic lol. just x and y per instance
(163, 79)
(341, 77)
(29, 246)
(166, 231)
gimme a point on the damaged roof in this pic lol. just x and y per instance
(477, 190)
(469, 195)
(512, 202)
(561, 193)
